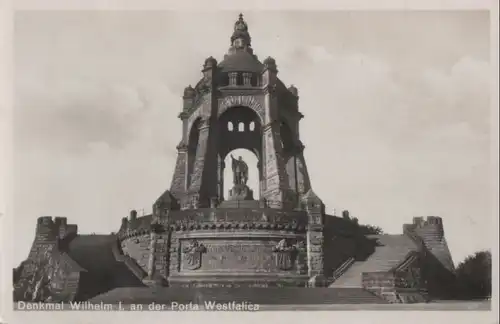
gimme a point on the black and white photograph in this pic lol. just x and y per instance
(252, 160)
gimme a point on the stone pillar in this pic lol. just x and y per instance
(152, 250)
(247, 79)
(275, 180)
(133, 215)
(221, 165)
(178, 186)
(233, 78)
(199, 166)
(315, 247)
(272, 185)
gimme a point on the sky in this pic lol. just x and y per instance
(397, 112)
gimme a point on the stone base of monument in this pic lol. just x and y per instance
(240, 192)
(249, 204)
(248, 280)
(243, 296)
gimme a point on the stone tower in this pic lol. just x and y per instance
(240, 103)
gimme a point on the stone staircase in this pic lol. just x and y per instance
(262, 296)
(392, 250)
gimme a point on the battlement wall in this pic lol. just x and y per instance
(431, 231)
(50, 229)
(48, 232)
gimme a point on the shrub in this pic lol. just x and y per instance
(474, 276)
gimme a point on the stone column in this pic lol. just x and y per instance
(233, 78)
(247, 79)
(275, 178)
(179, 179)
(200, 165)
(315, 263)
(152, 250)
(221, 165)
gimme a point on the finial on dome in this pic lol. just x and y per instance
(241, 38)
(240, 24)
(270, 63)
(189, 92)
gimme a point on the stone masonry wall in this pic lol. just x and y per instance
(431, 232)
(315, 240)
(381, 284)
(139, 249)
(178, 186)
(47, 271)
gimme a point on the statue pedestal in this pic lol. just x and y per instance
(240, 192)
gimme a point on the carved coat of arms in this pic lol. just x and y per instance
(192, 255)
(285, 255)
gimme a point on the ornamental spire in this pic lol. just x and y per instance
(241, 40)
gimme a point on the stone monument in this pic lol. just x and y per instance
(195, 238)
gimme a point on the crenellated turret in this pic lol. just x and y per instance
(50, 229)
(293, 90)
(430, 230)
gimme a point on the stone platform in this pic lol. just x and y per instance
(240, 192)
(253, 204)
(222, 247)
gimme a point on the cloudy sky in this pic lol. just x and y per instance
(396, 105)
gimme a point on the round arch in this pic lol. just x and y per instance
(239, 101)
(239, 128)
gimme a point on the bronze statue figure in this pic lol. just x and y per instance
(240, 171)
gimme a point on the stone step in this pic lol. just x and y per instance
(262, 296)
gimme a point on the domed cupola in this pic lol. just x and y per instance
(293, 90)
(239, 57)
(189, 92)
(241, 38)
(210, 63)
(270, 63)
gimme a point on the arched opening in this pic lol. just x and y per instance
(230, 126)
(241, 142)
(252, 161)
(251, 127)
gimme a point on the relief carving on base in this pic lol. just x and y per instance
(192, 255)
(285, 255)
(243, 256)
